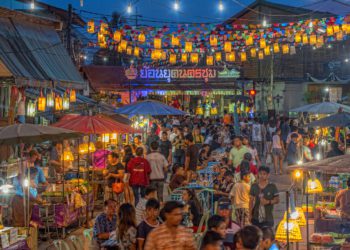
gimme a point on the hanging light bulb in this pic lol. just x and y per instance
(264, 22)
(32, 5)
(221, 5)
(176, 5)
(129, 8)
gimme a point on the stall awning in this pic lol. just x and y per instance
(35, 56)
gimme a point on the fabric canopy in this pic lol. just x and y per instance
(152, 108)
(341, 119)
(322, 108)
(30, 133)
(97, 124)
(35, 55)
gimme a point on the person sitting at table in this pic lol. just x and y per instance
(178, 179)
(106, 222)
(342, 201)
(192, 209)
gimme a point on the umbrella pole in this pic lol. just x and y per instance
(78, 163)
(62, 171)
(88, 196)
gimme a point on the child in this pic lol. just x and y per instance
(268, 239)
(150, 192)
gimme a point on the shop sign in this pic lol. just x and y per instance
(187, 73)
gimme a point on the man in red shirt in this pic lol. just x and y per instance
(139, 169)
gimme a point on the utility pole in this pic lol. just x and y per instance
(69, 29)
(270, 96)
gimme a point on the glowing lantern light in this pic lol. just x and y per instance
(292, 229)
(50, 100)
(188, 47)
(285, 48)
(330, 31)
(117, 36)
(67, 156)
(320, 40)
(261, 55)
(157, 43)
(297, 174)
(91, 27)
(156, 54)
(305, 39)
(298, 215)
(41, 102)
(297, 38)
(262, 43)
(227, 47)
(137, 51)
(163, 55)
(213, 40)
(267, 51)
(104, 28)
(314, 186)
(194, 57)
(172, 58)
(313, 39)
(249, 41)
(58, 103)
(253, 52)
(105, 138)
(336, 28)
(218, 56)
(31, 109)
(340, 36)
(230, 57)
(124, 45)
(142, 38)
(84, 149)
(276, 48)
(184, 58)
(175, 41)
(114, 136)
(72, 96)
(346, 28)
(210, 60)
(292, 50)
(129, 50)
(119, 49)
(243, 56)
(65, 102)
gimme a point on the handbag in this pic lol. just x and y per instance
(118, 187)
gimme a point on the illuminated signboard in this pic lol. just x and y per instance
(166, 74)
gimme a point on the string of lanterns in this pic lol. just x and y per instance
(218, 42)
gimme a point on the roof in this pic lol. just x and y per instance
(336, 7)
(33, 52)
(277, 6)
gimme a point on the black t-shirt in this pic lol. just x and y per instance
(192, 153)
(113, 169)
(143, 229)
(164, 147)
(126, 160)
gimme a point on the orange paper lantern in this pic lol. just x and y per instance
(194, 57)
(175, 41)
(339, 36)
(123, 45)
(243, 56)
(117, 36)
(91, 27)
(285, 48)
(297, 38)
(188, 47)
(172, 58)
(218, 56)
(313, 39)
(261, 55)
(330, 31)
(253, 52)
(249, 41)
(305, 39)
(262, 43)
(137, 51)
(210, 60)
(227, 47)
(184, 58)
(230, 57)
(58, 103)
(157, 43)
(276, 48)
(213, 40)
(267, 51)
(129, 50)
(41, 103)
(72, 96)
(141, 38)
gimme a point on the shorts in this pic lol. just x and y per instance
(277, 152)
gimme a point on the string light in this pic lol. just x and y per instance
(129, 8)
(176, 5)
(221, 5)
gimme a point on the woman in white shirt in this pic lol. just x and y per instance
(277, 151)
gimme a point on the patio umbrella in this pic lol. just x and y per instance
(341, 119)
(322, 108)
(31, 133)
(149, 107)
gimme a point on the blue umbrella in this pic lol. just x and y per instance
(148, 107)
(341, 119)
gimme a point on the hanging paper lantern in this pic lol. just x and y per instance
(285, 48)
(218, 56)
(101, 38)
(330, 31)
(313, 39)
(346, 28)
(50, 100)
(194, 57)
(129, 50)
(297, 38)
(262, 43)
(267, 51)
(292, 50)
(123, 45)
(249, 41)
(320, 40)
(253, 52)
(305, 39)
(276, 48)
(72, 96)
(58, 103)
(227, 47)
(91, 26)
(104, 28)
(157, 43)
(41, 102)
(142, 38)
(243, 56)
(155, 54)
(314, 186)
(31, 109)
(172, 58)
(67, 156)
(230, 57)
(65, 102)
(210, 60)
(336, 28)
(188, 47)
(163, 55)
(184, 58)
(137, 51)
(175, 41)
(292, 229)
(340, 36)
(105, 138)
(117, 36)
(84, 148)
(261, 55)
(119, 48)
(213, 40)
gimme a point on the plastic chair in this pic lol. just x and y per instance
(61, 245)
(77, 242)
(88, 234)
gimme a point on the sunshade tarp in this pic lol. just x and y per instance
(35, 56)
(332, 165)
(322, 108)
(152, 108)
(341, 119)
(97, 124)
(30, 133)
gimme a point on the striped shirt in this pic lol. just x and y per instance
(162, 239)
(140, 210)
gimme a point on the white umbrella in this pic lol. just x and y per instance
(322, 108)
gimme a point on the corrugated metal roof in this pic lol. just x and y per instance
(35, 56)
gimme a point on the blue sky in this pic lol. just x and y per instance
(190, 10)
